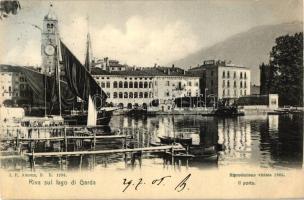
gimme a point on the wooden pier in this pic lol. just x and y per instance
(65, 136)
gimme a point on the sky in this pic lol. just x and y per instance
(137, 32)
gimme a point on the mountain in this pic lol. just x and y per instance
(248, 49)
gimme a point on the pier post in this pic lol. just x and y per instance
(80, 162)
(60, 160)
(65, 140)
(140, 158)
(17, 140)
(172, 156)
(32, 160)
(94, 140)
(124, 147)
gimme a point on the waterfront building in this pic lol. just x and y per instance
(143, 85)
(109, 65)
(259, 102)
(13, 86)
(223, 80)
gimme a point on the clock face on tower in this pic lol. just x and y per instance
(49, 50)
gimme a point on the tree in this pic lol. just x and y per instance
(286, 69)
(9, 7)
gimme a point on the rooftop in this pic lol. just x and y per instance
(51, 14)
(217, 63)
(146, 71)
(13, 68)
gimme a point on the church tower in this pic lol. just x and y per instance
(49, 42)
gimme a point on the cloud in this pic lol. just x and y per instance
(26, 54)
(142, 42)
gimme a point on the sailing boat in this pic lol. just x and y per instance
(60, 94)
(83, 85)
(92, 95)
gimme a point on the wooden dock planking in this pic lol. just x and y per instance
(67, 137)
(77, 153)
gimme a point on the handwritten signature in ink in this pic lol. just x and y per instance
(137, 184)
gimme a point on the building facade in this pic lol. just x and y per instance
(223, 80)
(141, 86)
(13, 86)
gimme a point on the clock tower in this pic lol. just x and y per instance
(49, 42)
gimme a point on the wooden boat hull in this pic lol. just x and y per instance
(170, 140)
(103, 118)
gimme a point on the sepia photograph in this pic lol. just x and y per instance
(157, 99)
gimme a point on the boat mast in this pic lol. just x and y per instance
(58, 53)
(89, 52)
(44, 96)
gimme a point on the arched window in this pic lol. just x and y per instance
(120, 84)
(144, 106)
(120, 105)
(146, 95)
(245, 76)
(241, 84)
(145, 84)
(125, 95)
(234, 84)
(115, 95)
(241, 75)
(223, 74)
(125, 84)
(228, 83)
(135, 85)
(115, 84)
(140, 95)
(135, 95)
(131, 84)
(150, 85)
(120, 95)
(140, 85)
(245, 85)
(130, 94)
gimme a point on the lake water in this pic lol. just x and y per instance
(262, 141)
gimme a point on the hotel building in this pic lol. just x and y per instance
(223, 80)
(141, 86)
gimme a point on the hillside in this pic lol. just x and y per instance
(248, 48)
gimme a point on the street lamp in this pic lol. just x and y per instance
(206, 98)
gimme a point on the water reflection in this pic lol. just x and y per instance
(264, 141)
